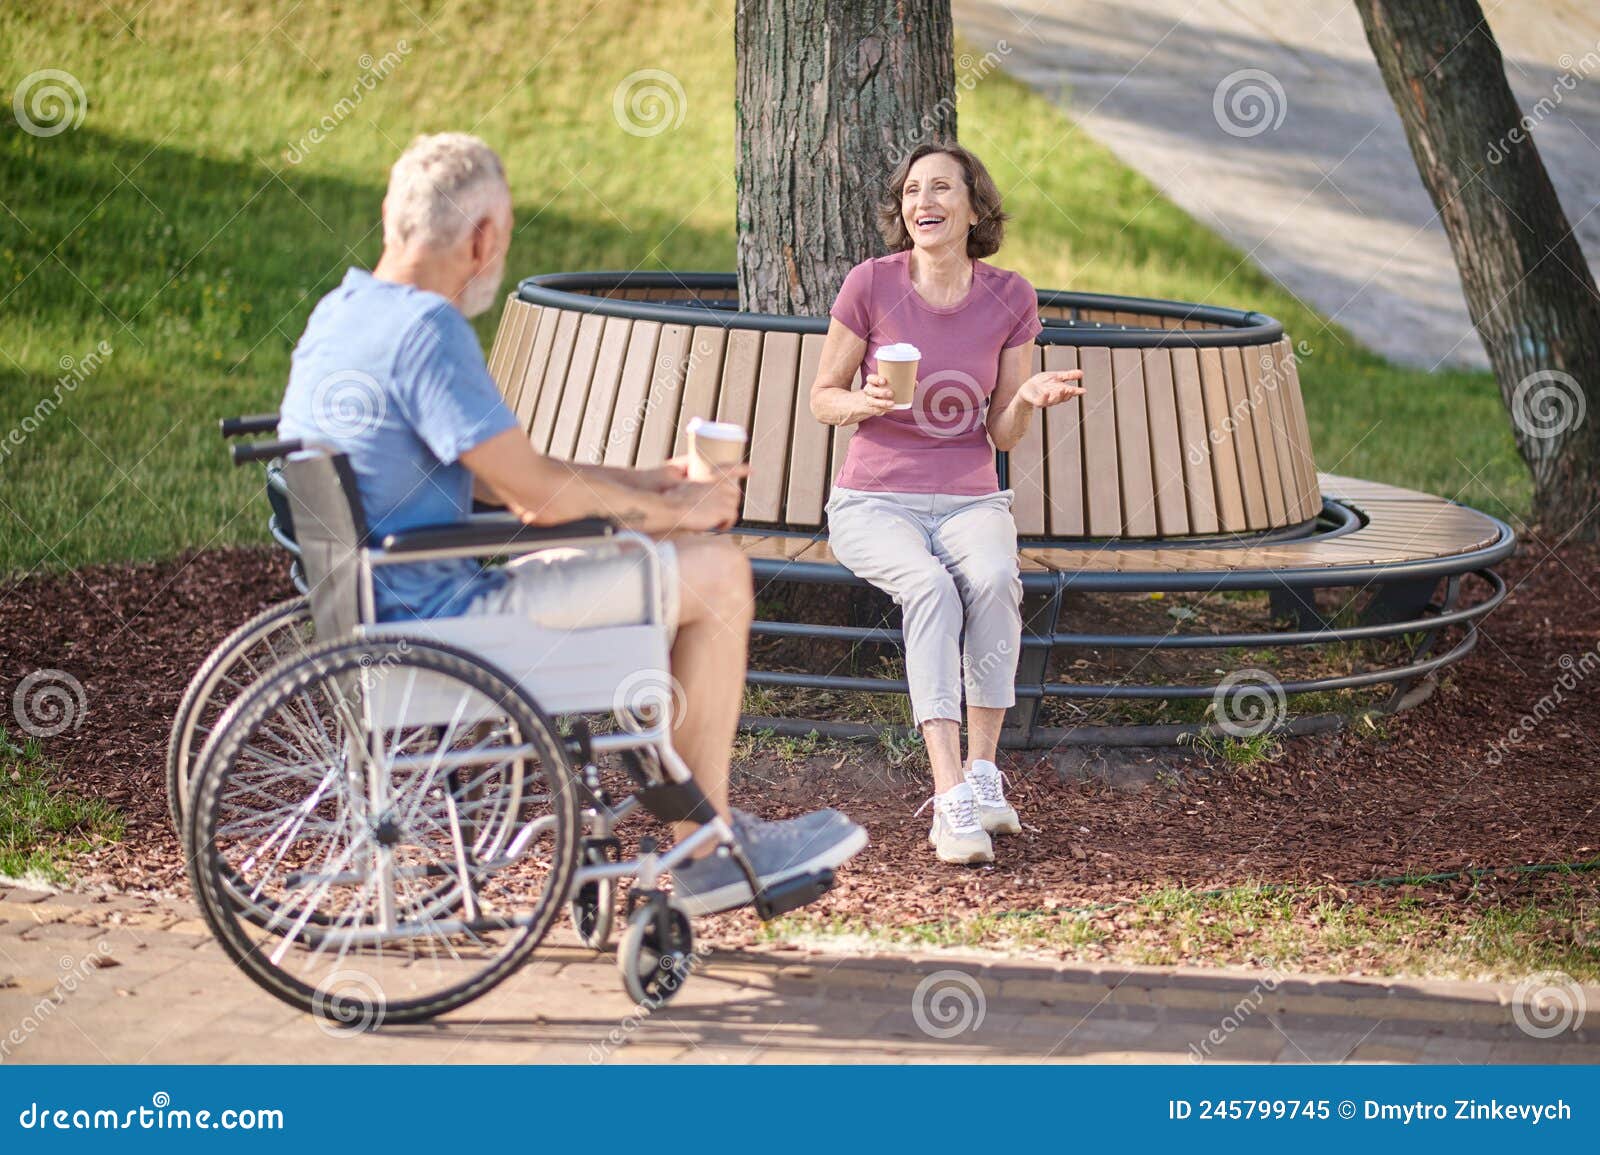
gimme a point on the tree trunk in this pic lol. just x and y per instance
(830, 94)
(1528, 289)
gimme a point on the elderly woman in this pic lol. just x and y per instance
(916, 508)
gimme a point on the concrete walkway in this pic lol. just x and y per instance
(1315, 180)
(98, 979)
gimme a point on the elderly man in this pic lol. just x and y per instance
(389, 372)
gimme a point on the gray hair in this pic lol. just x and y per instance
(441, 187)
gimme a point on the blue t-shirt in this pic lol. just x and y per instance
(392, 375)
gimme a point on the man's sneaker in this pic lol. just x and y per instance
(957, 834)
(823, 839)
(996, 814)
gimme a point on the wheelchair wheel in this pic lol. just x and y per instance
(594, 904)
(278, 632)
(382, 831)
(655, 967)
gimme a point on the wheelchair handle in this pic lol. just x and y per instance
(254, 423)
(264, 450)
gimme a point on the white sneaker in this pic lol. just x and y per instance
(996, 814)
(957, 835)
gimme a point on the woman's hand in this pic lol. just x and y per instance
(875, 397)
(1043, 390)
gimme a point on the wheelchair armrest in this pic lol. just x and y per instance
(491, 532)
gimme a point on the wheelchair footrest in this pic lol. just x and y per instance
(792, 893)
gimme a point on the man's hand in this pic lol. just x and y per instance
(706, 505)
(672, 472)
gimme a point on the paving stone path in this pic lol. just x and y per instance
(1311, 175)
(100, 978)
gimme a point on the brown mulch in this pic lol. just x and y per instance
(1427, 796)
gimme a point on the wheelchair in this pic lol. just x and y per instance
(388, 819)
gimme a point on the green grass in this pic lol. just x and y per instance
(42, 828)
(1311, 929)
(171, 226)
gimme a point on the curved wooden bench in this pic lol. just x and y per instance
(1193, 424)
(1186, 466)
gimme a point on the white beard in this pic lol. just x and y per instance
(479, 294)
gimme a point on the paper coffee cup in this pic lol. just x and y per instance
(897, 364)
(713, 446)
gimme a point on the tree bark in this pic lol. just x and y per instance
(1528, 289)
(830, 94)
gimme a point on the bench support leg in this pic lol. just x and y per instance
(1399, 601)
(1299, 605)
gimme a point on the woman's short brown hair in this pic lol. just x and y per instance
(984, 238)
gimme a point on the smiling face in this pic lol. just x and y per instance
(935, 203)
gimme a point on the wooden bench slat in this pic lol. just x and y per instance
(532, 386)
(1063, 458)
(554, 380)
(580, 372)
(622, 439)
(512, 377)
(510, 316)
(1101, 474)
(1289, 369)
(666, 394)
(768, 546)
(1244, 439)
(700, 386)
(740, 369)
(1026, 470)
(1261, 406)
(602, 400)
(769, 430)
(1199, 485)
(1291, 474)
(808, 444)
(1224, 455)
(1133, 443)
(1166, 443)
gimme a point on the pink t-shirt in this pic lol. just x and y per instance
(940, 444)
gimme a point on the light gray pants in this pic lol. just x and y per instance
(950, 562)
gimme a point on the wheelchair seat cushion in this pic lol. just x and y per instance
(572, 589)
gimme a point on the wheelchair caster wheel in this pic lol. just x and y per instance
(594, 906)
(652, 970)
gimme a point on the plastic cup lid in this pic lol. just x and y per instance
(900, 351)
(716, 430)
